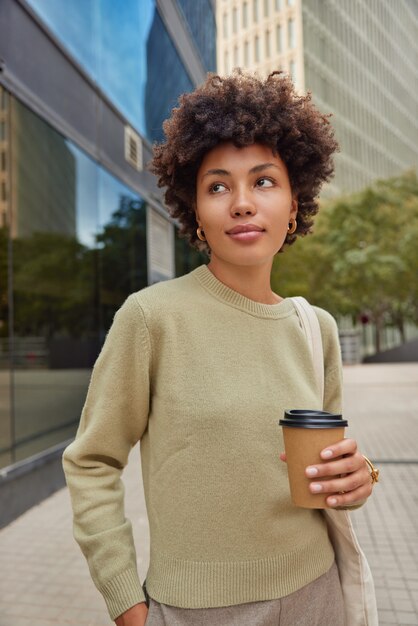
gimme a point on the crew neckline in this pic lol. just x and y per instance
(232, 298)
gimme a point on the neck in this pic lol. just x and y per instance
(253, 282)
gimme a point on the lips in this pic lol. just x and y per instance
(245, 228)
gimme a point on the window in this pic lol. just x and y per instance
(256, 49)
(246, 54)
(245, 15)
(255, 10)
(290, 3)
(3, 191)
(226, 62)
(292, 70)
(225, 24)
(267, 42)
(3, 161)
(266, 8)
(279, 38)
(2, 131)
(236, 61)
(291, 33)
(235, 20)
(278, 5)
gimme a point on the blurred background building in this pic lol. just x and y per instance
(84, 89)
(358, 57)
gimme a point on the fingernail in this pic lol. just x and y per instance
(316, 487)
(332, 501)
(311, 471)
(326, 454)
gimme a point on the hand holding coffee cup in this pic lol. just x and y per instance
(325, 470)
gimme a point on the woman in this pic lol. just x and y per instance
(200, 369)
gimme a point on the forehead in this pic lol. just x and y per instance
(229, 157)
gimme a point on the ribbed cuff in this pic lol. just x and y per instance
(122, 592)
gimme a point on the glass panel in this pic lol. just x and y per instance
(266, 8)
(257, 48)
(245, 15)
(255, 10)
(279, 38)
(200, 18)
(79, 249)
(186, 257)
(164, 67)
(54, 282)
(267, 38)
(246, 54)
(122, 255)
(126, 49)
(292, 70)
(291, 33)
(6, 430)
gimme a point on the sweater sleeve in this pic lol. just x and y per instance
(114, 418)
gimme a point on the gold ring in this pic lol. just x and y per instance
(374, 472)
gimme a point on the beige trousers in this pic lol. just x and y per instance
(318, 604)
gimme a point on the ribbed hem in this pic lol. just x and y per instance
(237, 300)
(207, 584)
(122, 592)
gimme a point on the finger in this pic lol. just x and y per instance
(283, 456)
(358, 496)
(348, 483)
(343, 465)
(345, 446)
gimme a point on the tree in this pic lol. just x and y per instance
(363, 258)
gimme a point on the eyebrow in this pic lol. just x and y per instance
(253, 170)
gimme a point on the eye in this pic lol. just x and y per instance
(264, 182)
(217, 188)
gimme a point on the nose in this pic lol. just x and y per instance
(242, 204)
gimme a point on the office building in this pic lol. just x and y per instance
(84, 90)
(358, 57)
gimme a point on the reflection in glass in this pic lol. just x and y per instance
(200, 18)
(166, 79)
(6, 426)
(79, 249)
(121, 241)
(186, 257)
(126, 49)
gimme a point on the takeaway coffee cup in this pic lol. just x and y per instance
(306, 433)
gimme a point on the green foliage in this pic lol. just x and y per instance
(363, 257)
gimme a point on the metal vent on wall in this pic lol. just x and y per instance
(133, 148)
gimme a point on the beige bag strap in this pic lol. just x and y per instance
(310, 325)
(354, 570)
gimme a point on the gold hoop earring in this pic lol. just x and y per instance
(200, 234)
(292, 226)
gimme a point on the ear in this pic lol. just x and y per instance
(294, 207)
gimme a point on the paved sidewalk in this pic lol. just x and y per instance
(44, 578)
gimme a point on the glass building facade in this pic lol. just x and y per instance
(80, 227)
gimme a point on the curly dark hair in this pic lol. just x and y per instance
(244, 109)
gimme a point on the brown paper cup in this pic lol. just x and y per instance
(303, 447)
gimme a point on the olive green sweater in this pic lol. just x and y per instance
(200, 375)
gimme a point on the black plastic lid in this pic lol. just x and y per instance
(306, 418)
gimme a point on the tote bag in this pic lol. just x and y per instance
(355, 575)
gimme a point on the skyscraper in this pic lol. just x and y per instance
(358, 57)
